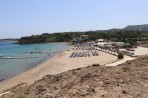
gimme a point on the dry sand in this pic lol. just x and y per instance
(141, 51)
(55, 65)
(126, 58)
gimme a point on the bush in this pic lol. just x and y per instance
(120, 55)
(96, 65)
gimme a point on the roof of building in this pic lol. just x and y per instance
(101, 40)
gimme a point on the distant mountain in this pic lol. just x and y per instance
(114, 30)
(129, 27)
(137, 27)
(111, 30)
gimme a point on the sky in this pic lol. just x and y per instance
(30, 17)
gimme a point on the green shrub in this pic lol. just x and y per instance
(95, 65)
(120, 55)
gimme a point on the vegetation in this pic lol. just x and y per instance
(55, 37)
(137, 27)
(96, 65)
(120, 55)
(120, 35)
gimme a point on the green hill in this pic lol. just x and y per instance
(137, 27)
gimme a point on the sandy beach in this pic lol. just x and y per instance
(55, 65)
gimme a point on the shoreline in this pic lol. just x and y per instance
(35, 64)
(54, 65)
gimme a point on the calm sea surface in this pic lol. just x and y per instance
(15, 58)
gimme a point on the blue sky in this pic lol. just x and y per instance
(27, 17)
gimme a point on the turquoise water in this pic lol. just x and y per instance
(24, 59)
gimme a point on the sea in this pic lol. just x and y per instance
(15, 58)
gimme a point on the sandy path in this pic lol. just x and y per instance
(55, 65)
(141, 51)
(126, 58)
(138, 52)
